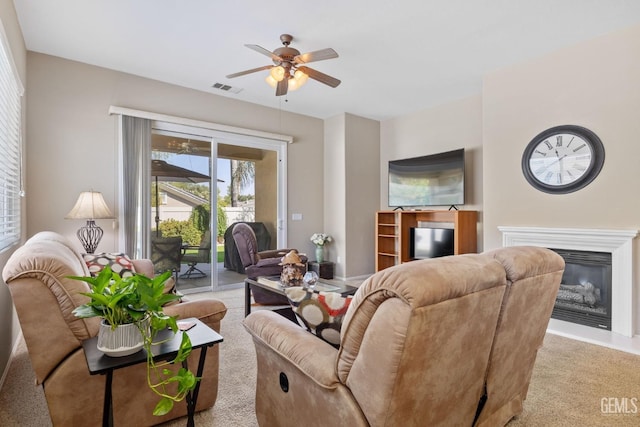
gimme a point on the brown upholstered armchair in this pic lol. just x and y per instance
(44, 298)
(422, 344)
(259, 263)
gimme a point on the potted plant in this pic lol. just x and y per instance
(138, 300)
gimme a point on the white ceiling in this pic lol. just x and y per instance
(396, 57)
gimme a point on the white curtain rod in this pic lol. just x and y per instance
(198, 123)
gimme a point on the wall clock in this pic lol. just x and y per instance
(563, 159)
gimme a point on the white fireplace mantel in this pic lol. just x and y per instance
(619, 243)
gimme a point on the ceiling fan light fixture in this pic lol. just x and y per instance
(277, 73)
(300, 77)
(271, 81)
(297, 80)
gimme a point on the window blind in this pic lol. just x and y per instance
(10, 149)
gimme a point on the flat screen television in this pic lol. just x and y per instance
(430, 242)
(433, 180)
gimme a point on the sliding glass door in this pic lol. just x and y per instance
(211, 180)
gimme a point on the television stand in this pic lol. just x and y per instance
(393, 228)
(398, 208)
(453, 207)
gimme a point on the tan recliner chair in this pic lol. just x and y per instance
(415, 345)
(533, 276)
(44, 297)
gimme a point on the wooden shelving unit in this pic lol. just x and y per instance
(386, 239)
(393, 233)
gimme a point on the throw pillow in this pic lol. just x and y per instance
(320, 312)
(119, 263)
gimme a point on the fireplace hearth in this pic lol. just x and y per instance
(585, 290)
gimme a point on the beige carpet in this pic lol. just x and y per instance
(569, 381)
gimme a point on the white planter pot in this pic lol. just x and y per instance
(121, 341)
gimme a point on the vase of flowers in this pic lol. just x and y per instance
(320, 239)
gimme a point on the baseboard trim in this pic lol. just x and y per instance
(14, 350)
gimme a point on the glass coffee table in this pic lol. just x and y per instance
(272, 284)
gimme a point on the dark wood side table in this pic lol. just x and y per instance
(324, 269)
(201, 337)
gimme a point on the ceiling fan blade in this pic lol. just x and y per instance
(321, 77)
(264, 51)
(318, 55)
(283, 87)
(253, 70)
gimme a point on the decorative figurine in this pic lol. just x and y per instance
(293, 269)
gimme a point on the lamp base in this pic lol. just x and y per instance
(89, 236)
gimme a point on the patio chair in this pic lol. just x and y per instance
(166, 253)
(202, 255)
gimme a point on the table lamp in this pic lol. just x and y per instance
(90, 206)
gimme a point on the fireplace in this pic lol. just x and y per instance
(585, 290)
(623, 296)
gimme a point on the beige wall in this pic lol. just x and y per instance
(266, 185)
(594, 84)
(335, 191)
(73, 141)
(9, 326)
(351, 159)
(362, 158)
(448, 127)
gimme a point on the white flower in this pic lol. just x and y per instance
(320, 239)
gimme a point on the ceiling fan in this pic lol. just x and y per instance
(289, 73)
(181, 146)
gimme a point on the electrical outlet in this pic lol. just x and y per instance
(296, 217)
(337, 260)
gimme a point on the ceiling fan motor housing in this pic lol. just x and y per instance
(286, 53)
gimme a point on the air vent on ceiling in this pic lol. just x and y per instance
(226, 88)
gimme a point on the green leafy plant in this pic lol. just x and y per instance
(222, 222)
(139, 299)
(201, 217)
(190, 234)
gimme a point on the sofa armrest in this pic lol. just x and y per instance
(313, 356)
(143, 266)
(210, 311)
(273, 253)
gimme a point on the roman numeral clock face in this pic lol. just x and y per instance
(563, 159)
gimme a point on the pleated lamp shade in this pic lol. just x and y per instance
(90, 206)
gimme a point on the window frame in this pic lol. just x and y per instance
(11, 179)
